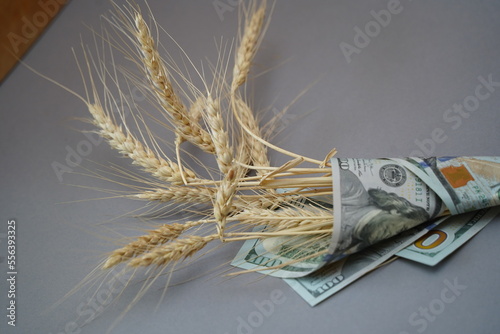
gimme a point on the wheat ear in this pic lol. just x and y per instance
(248, 46)
(174, 251)
(128, 145)
(252, 34)
(220, 137)
(144, 243)
(178, 194)
(196, 108)
(258, 151)
(158, 75)
(224, 200)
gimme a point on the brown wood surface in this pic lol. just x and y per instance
(21, 23)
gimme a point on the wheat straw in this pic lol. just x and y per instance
(287, 218)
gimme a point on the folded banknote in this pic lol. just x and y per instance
(376, 199)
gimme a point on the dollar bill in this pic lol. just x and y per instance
(335, 276)
(375, 199)
(443, 240)
(264, 255)
(463, 183)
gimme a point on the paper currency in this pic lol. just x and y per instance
(375, 199)
(333, 277)
(429, 245)
(443, 240)
(261, 255)
(463, 183)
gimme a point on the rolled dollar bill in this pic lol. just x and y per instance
(463, 183)
(375, 199)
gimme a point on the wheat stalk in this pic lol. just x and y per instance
(158, 75)
(220, 137)
(178, 194)
(244, 56)
(258, 152)
(224, 200)
(128, 145)
(144, 243)
(248, 45)
(174, 251)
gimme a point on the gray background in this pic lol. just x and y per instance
(392, 94)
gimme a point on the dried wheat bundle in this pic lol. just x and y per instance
(285, 212)
(246, 197)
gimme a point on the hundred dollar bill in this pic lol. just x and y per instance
(463, 183)
(375, 199)
(443, 240)
(335, 276)
(260, 255)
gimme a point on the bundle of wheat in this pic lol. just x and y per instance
(248, 192)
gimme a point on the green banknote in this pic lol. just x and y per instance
(264, 255)
(330, 279)
(463, 183)
(375, 199)
(443, 240)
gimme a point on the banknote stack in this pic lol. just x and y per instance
(420, 209)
